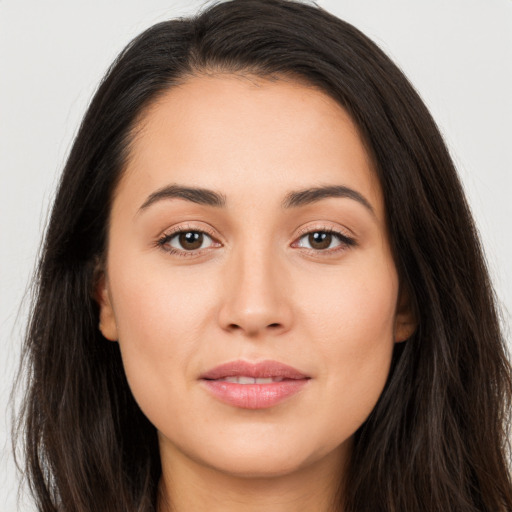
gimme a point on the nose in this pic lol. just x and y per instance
(255, 299)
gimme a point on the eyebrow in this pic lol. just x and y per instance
(293, 199)
(312, 195)
(193, 194)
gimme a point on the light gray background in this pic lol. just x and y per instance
(458, 54)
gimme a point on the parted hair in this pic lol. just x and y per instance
(437, 439)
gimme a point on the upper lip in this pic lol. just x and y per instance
(262, 369)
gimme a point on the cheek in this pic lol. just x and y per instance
(355, 304)
(159, 329)
(155, 302)
(352, 321)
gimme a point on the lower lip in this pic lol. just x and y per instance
(254, 396)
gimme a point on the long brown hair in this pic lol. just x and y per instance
(437, 439)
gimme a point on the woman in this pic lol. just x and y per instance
(261, 287)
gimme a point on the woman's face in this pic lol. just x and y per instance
(248, 240)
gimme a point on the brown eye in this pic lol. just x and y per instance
(323, 240)
(189, 240)
(320, 240)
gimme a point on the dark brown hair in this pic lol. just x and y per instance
(437, 439)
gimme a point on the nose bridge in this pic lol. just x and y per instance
(255, 296)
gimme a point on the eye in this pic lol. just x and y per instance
(323, 240)
(186, 241)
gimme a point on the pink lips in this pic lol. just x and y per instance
(280, 382)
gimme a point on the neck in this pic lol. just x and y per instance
(187, 486)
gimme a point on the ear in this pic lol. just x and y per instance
(108, 326)
(406, 320)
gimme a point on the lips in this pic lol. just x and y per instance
(253, 385)
(263, 369)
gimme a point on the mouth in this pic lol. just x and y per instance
(253, 385)
(243, 379)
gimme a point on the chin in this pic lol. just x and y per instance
(259, 465)
(266, 460)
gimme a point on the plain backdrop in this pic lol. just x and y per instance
(457, 53)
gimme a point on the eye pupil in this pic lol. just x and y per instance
(191, 240)
(320, 240)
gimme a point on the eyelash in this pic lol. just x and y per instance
(345, 241)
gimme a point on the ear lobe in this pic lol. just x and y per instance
(107, 326)
(406, 320)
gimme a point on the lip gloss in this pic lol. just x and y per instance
(254, 396)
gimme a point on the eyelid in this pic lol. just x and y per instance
(338, 230)
(180, 228)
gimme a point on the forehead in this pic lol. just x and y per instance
(248, 138)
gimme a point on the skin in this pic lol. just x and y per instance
(256, 290)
